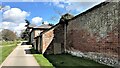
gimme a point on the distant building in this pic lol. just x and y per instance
(35, 31)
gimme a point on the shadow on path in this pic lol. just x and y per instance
(25, 43)
(31, 51)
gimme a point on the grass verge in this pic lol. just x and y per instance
(69, 61)
(6, 48)
(42, 61)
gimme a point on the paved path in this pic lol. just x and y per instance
(19, 57)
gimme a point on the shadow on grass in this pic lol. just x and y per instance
(69, 61)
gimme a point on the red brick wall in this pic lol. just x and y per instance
(58, 40)
(95, 31)
(47, 37)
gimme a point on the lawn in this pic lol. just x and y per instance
(6, 48)
(42, 61)
(69, 61)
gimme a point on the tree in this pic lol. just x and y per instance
(28, 23)
(25, 33)
(8, 35)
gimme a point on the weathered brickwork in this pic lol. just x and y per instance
(51, 41)
(47, 37)
(95, 30)
(57, 44)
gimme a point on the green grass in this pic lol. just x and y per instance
(6, 48)
(69, 61)
(42, 61)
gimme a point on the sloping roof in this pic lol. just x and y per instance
(44, 26)
(32, 25)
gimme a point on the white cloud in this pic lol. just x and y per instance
(6, 8)
(75, 0)
(6, 23)
(37, 20)
(20, 27)
(15, 15)
(80, 6)
(13, 26)
(1, 30)
(45, 22)
(61, 5)
(58, 0)
(58, 4)
(28, 0)
(75, 5)
(13, 19)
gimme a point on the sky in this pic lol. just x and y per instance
(13, 14)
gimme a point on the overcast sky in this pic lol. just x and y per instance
(14, 13)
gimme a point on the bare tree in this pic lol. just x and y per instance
(53, 18)
(57, 11)
(60, 13)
